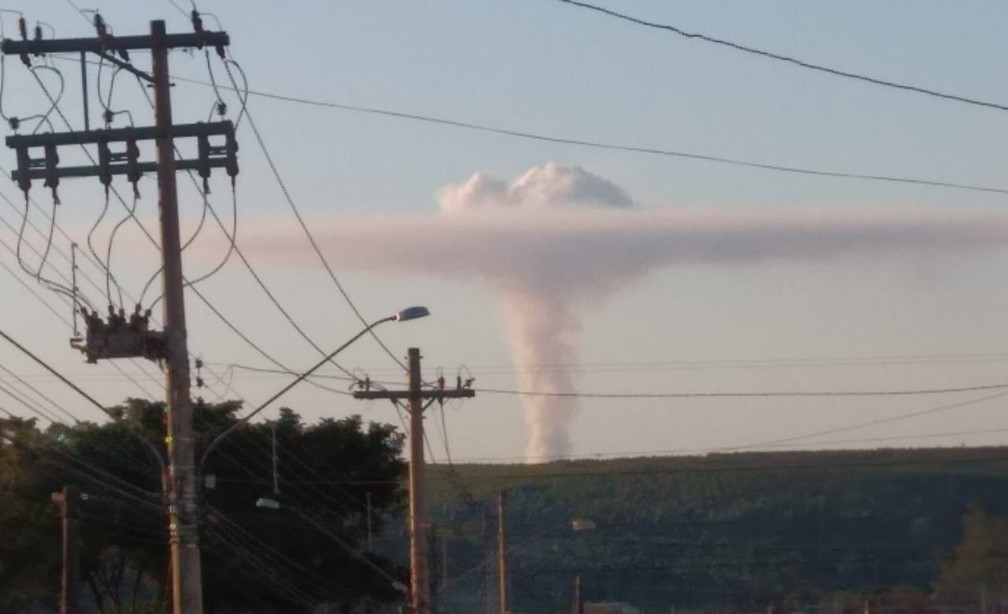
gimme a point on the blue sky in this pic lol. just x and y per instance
(542, 66)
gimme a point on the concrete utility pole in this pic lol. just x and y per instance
(578, 596)
(68, 501)
(420, 601)
(502, 559)
(183, 510)
(114, 339)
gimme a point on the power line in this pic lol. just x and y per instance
(854, 427)
(593, 144)
(154, 242)
(784, 58)
(745, 395)
(297, 213)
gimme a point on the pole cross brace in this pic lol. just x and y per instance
(37, 47)
(46, 166)
(399, 395)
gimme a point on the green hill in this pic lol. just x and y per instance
(725, 530)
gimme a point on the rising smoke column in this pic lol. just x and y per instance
(540, 303)
(558, 239)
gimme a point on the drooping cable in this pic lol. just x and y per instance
(304, 226)
(750, 395)
(784, 58)
(109, 281)
(130, 214)
(53, 100)
(627, 148)
(43, 257)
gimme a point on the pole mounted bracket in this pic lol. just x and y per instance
(45, 164)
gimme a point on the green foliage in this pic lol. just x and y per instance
(28, 569)
(981, 560)
(730, 530)
(251, 556)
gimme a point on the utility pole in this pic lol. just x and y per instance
(502, 559)
(420, 601)
(68, 500)
(115, 338)
(578, 596)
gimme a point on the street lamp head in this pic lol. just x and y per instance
(412, 313)
(267, 503)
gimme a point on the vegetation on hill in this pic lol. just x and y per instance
(724, 530)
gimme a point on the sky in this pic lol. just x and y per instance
(661, 289)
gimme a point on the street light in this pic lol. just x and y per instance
(410, 313)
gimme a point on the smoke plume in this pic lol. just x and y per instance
(559, 239)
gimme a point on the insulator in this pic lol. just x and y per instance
(51, 162)
(104, 163)
(203, 149)
(23, 28)
(132, 162)
(100, 26)
(231, 147)
(197, 22)
(24, 162)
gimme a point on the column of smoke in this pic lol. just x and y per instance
(557, 240)
(538, 301)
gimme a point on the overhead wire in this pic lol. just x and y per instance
(73, 306)
(155, 243)
(876, 422)
(233, 248)
(109, 278)
(782, 447)
(784, 58)
(747, 395)
(626, 148)
(139, 436)
(301, 221)
(54, 101)
(55, 106)
(236, 534)
(130, 214)
(603, 145)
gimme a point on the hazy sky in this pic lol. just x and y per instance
(708, 278)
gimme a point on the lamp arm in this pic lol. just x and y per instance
(300, 378)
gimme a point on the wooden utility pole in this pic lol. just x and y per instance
(114, 339)
(420, 601)
(68, 501)
(502, 559)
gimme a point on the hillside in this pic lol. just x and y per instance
(719, 530)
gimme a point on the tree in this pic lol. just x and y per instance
(280, 561)
(328, 473)
(981, 560)
(28, 521)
